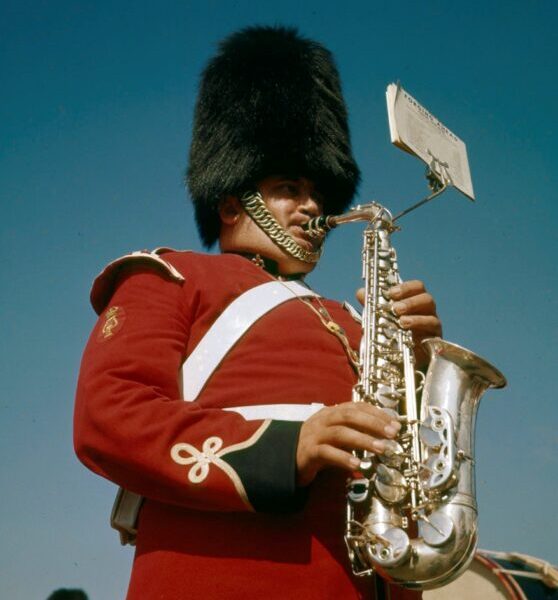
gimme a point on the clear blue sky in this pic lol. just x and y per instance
(95, 118)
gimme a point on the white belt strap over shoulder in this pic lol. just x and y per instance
(233, 322)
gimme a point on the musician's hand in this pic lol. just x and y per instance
(417, 311)
(327, 437)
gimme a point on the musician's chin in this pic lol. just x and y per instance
(302, 238)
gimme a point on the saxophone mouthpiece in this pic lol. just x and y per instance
(319, 226)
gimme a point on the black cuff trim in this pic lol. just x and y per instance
(268, 469)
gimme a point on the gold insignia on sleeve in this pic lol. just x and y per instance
(113, 321)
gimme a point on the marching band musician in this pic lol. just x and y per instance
(228, 411)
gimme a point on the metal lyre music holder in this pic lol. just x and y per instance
(438, 178)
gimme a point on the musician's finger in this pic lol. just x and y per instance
(325, 456)
(346, 438)
(360, 295)
(406, 289)
(421, 304)
(423, 325)
(364, 417)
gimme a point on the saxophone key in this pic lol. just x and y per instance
(390, 484)
(393, 455)
(357, 487)
(387, 396)
(391, 548)
(437, 529)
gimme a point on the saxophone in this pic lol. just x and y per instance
(411, 513)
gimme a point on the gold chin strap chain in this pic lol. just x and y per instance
(257, 210)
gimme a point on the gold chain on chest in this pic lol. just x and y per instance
(323, 314)
(334, 328)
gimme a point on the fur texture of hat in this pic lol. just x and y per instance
(270, 103)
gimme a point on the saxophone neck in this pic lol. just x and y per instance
(373, 213)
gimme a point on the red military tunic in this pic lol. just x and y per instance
(222, 516)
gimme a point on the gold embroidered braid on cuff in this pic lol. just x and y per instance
(211, 454)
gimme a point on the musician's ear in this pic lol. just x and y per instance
(230, 210)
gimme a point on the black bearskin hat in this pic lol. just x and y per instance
(270, 103)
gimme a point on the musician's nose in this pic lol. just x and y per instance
(310, 199)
